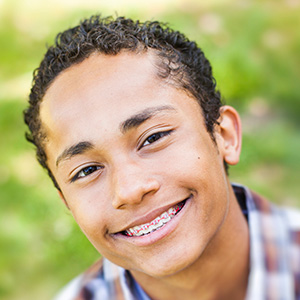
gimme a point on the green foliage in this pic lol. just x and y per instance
(254, 48)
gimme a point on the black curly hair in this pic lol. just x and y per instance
(179, 60)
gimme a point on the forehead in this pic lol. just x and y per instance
(90, 101)
(106, 70)
(128, 79)
(101, 77)
(103, 91)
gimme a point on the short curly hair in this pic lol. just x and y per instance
(179, 60)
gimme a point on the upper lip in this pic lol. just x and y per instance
(150, 216)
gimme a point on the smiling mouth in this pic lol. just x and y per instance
(155, 224)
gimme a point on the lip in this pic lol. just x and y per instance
(159, 234)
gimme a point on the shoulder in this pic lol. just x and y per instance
(266, 211)
(103, 280)
(71, 290)
(275, 218)
(292, 217)
(75, 288)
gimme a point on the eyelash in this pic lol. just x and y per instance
(91, 169)
(157, 136)
(88, 169)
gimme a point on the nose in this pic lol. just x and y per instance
(131, 184)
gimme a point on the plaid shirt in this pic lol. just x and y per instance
(274, 259)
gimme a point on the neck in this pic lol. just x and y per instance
(221, 272)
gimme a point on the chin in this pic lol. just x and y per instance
(170, 264)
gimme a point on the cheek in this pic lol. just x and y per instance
(197, 165)
(192, 160)
(89, 211)
(201, 170)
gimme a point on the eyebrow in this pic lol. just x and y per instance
(130, 123)
(141, 117)
(77, 149)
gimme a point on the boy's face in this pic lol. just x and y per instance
(125, 147)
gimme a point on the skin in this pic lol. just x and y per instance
(127, 173)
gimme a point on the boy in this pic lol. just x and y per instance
(127, 121)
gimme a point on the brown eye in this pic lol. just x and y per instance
(85, 172)
(155, 136)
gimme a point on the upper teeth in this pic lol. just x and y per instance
(158, 222)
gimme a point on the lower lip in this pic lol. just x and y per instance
(159, 234)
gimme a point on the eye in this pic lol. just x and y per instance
(86, 172)
(154, 137)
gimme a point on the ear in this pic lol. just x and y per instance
(229, 134)
(62, 197)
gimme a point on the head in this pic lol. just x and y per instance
(127, 121)
(178, 60)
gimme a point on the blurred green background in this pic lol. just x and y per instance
(254, 47)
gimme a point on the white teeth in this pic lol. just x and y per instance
(155, 221)
(172, 211)
(158, 222)
(166, 217)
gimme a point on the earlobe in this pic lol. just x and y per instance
(230, 131)
(61, 196)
